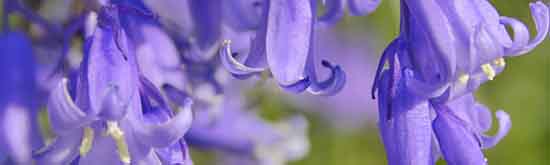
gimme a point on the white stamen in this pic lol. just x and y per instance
(114, 131)
(489, 71)
(87, 140)
(226, 42)
(500, 62)
(91, 24)
(463, 78)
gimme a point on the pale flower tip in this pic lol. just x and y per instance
(226, 42)
(87, 141)
(489, 71)
(500, 62)
(464, 78)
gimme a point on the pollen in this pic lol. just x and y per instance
(489, 71)
(226, 42)
(500, 62)
(87, 140)
(463, 78)
(114, 131)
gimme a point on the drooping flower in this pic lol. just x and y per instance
(459, 49)
(445, 51)
(108, 114)
(283, 43)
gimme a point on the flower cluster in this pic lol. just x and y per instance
(445, 51)
(144, 81)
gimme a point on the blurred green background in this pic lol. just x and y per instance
(522, 90)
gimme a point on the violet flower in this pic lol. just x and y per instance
(444, 52)
(108, 115)
(283, 44)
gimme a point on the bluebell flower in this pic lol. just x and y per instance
(480, 41)
(109, 114)
(445, 51)
(283, 43)
(19, 133)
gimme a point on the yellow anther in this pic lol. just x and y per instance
(226, 42)
(114, 131)
(500, 62)
(489, 71)
(463, 78)
(87, 141)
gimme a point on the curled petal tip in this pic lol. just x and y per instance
(233, 65)
(505, 124)
(298, 86)
(169, 132)
(334, 84)
(541, 17)
(63, 149)
(63, 112)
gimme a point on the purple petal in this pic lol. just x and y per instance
(484, 118)
(407, 134)
(330, 86)
(288, 40)
(521, 33)
(63, 150)
(504, 127)
(429, 24)
(233, 65)
(15, 136)
(298, 86)
(167, 133)
(103, 151)
(174, 154)
(150, 159)
(422, 89)
(109, 76)
(64, 114)
(250, 47)
(458, 144)
(389, 52)
(177, 96)
(541, 17)
(334, 11)
(206, 16)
